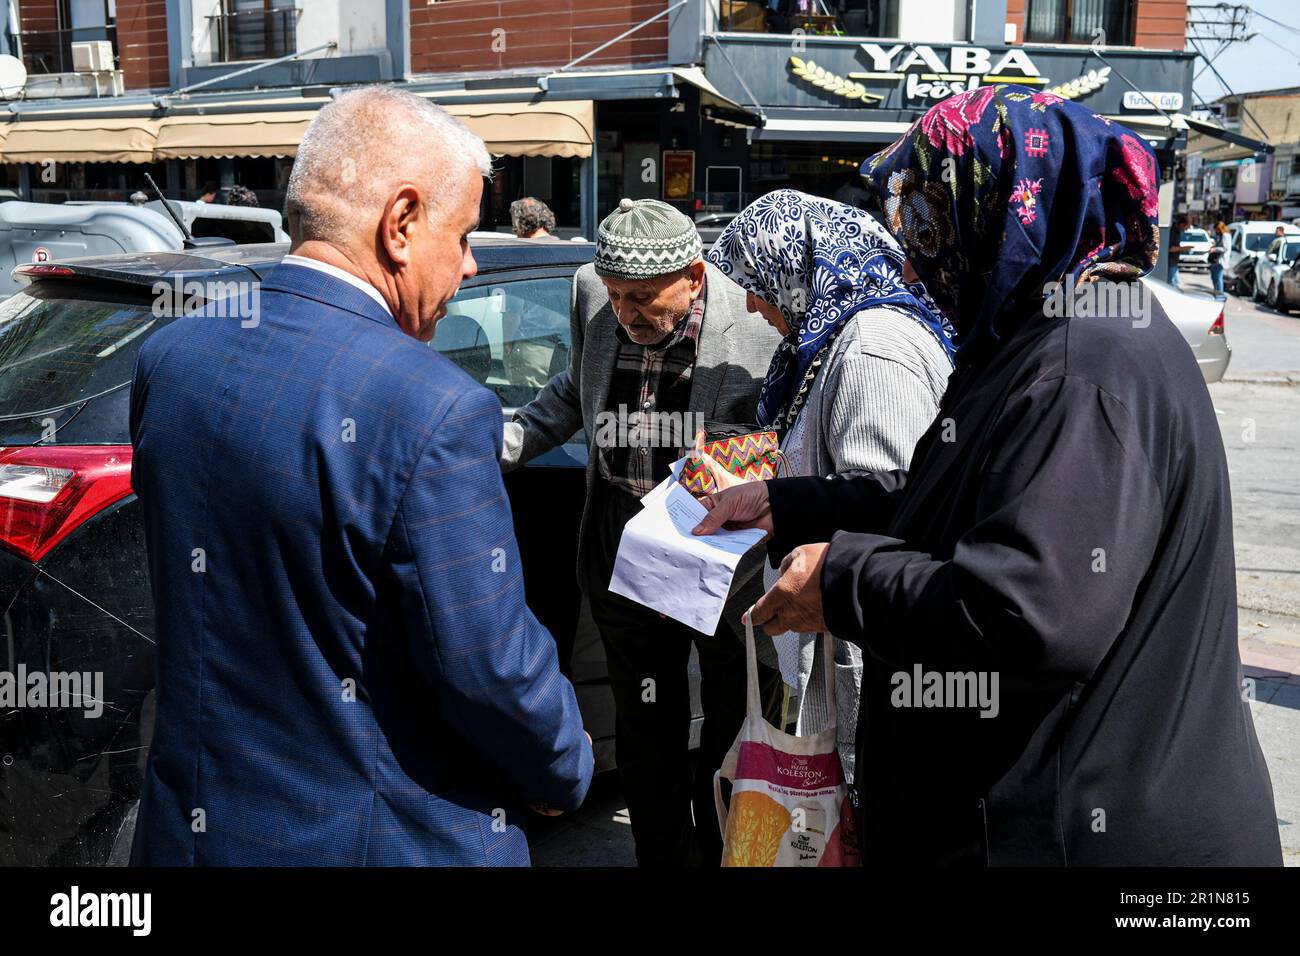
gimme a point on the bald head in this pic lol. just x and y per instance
(361, 147)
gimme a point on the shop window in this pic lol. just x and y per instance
(1080, 21)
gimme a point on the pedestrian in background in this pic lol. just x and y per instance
(532, 219)
(1217, 253)
(1176, 248)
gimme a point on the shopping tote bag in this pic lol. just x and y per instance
(789, 803)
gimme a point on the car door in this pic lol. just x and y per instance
(510, 331)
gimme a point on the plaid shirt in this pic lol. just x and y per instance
(650, 379)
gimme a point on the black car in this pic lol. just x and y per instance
(73, 575)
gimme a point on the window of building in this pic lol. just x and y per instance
(1080, 21)
(254, 30)
(76, 21)
(858, 18)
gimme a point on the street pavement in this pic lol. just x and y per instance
(1258, 405)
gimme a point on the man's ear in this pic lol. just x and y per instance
(402, 217)
(695, 272)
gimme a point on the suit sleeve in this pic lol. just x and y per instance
(555, 415)
(1064, 528)
(493, 667)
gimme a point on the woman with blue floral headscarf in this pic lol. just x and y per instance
(1046, 598)
(855, 381)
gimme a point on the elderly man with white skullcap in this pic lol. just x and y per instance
(657, 352)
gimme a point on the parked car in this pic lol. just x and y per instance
(50, 232)
(73, 574)
(1199, 315)
(710, 225)
(1196, 251)
(1248, 241)
(1270, 270)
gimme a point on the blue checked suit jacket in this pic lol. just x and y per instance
(347, 671)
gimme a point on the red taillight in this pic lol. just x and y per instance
(1217, 327)
(46, 492)
(38, 269)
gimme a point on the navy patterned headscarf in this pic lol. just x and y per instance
(820, 262)
(998, 192)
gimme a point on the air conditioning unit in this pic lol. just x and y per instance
(92, 56)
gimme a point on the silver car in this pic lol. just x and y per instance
(1199, 316)
(1275, 282)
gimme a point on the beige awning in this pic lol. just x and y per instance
(232, 134)
(548, 128)
(103, 140)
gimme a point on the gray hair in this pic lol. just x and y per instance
(360, 146)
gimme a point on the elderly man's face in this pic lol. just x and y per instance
(649, 309)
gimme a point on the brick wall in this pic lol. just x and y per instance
(142, 43)
(457, 35)
(1160, 24)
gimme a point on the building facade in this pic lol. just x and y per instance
(702, 103)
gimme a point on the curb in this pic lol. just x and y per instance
(1264, 378)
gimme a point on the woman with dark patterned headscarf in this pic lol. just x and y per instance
(1046, 599)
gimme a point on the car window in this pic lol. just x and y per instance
(66, 355)
(1289, 251)
(1195, 235)
(511, 336)
(1259, 241)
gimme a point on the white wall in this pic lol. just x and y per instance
(356, 25)
(200, 25)
(936, 21)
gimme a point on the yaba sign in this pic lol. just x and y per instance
(820, 72)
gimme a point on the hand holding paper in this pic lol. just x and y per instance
(663, 565)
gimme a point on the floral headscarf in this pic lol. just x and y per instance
(997, 192)
(820, 262)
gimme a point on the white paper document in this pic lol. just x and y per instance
(663, 566)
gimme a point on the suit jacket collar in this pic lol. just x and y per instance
(327, 290)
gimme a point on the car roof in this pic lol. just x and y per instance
(492, 253)
(1260, 225)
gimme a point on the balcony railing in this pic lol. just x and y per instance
(50, 51)
(254, 34)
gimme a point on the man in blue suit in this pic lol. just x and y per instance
(347, 671)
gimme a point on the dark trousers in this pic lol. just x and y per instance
(648, 657)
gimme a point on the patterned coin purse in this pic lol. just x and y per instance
(751, 455)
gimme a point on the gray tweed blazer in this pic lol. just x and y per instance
(733, 355)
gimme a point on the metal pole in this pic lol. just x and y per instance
(332, 45)
(541, 80)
